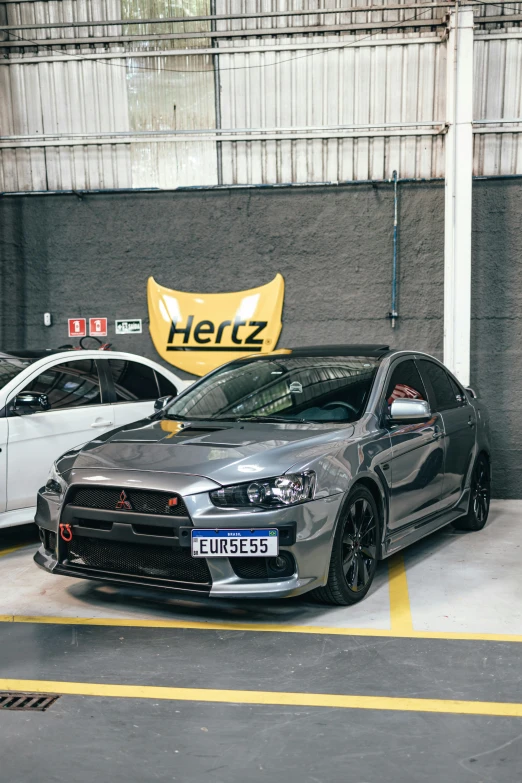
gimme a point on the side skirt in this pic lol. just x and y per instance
(405, 536)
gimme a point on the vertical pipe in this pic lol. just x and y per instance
(217, 96)
(458, 187)
(394, 314)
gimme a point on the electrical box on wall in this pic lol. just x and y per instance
(48, 319)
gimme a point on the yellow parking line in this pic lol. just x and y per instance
(400, 612)
(321, 630)
(10, 549)
(395, 703)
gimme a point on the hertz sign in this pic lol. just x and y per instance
(199, 332)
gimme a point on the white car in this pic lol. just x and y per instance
(61, 400)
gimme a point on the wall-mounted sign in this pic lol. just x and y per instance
(77, 327)
(97, 327)
(199, 332)
(129, 326)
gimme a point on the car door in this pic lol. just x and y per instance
(417, 463)
(136, 386)
(78, 413)
(459, 427)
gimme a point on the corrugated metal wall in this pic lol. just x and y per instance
(345, 97)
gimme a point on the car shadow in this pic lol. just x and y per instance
(301, 609)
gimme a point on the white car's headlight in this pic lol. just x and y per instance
(277, 492)
(55, 482)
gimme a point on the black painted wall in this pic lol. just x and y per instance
(91, 256)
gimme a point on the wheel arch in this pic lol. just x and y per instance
(378, 494)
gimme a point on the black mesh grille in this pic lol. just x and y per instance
(158, 562)
(141, 500)
(264, 567)
(250, 567)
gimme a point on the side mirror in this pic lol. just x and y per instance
(409, 411)
(162, 402)
(471, 392)
(30, 402)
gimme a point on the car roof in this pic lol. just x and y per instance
(348, 349)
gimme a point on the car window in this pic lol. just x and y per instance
(133, 381)
(69, 385)
(166, 387)
(10, 368)
(405, 383)
(457, 391)
(302, 388)
(445, 396)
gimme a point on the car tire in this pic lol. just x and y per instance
(480, 496)
(355, 551)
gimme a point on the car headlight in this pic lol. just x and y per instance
(55, 482)
(269, 493)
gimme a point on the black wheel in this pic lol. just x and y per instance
(480, 495)
(354, 552)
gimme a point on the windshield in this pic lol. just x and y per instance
(283, 388)
(10, 368)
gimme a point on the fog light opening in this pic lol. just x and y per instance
(282, 565)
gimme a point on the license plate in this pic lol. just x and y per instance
(235, 543)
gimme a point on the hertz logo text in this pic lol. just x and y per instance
(207, 334)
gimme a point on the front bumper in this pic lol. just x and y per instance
(313, 524)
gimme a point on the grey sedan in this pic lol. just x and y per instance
(274, 475)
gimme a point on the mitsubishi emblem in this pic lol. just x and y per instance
(123, 502)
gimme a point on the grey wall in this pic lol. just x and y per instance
(496, 327)
(92, 255)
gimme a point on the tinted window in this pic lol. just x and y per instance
(286, 387)
(166, 387)
(457, 391)
(133, 381)
(405, 383)
(69, 385)
(9, 369)
(440, 382)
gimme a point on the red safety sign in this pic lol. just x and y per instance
(77, 327)
(98, 327)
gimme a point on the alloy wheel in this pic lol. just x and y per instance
(359, 545)
(480, 492)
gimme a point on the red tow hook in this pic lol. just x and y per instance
(65, 532)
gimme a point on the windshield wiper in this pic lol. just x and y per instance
(285, 419)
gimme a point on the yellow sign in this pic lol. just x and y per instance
(199, 332)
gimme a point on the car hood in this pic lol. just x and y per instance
(222, 451)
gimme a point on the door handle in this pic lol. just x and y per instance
(99, 423)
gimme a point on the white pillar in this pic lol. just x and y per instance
(457, 216)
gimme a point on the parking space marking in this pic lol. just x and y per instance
(113, 622)
(8, 551)
(400, 611)
(348, 701)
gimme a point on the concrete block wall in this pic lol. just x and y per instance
(91, 255)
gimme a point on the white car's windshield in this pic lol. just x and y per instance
(10, 368)
(282, 388)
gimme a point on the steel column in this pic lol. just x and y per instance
(459, 170)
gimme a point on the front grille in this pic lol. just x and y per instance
(158, 562)
(142, 501)
(250, 567)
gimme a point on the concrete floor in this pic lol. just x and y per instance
(440, 633)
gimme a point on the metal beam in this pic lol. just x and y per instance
(352, 42)
(223, 17)
(262, 31)
(459, 170)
